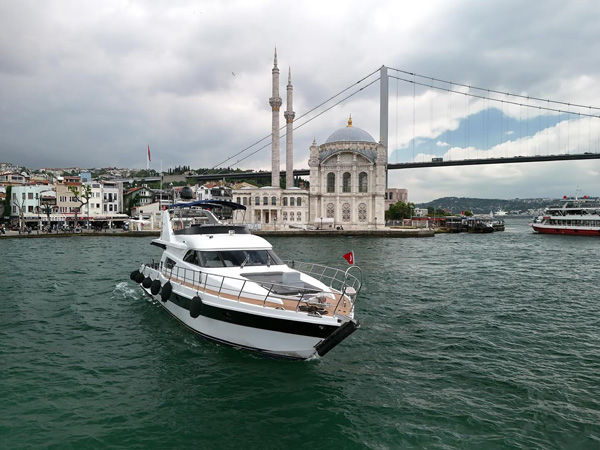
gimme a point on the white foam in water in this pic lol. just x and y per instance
(125, 289)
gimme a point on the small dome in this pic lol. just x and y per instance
(350, 134)
(187, 193)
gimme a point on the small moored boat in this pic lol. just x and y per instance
(229, 286)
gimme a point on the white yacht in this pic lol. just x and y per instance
(228, 285)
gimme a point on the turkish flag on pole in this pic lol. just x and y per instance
(349, 257)
(149, 159)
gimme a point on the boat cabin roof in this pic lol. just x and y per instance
(225, 242)
(213, 229)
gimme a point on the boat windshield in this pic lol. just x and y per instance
(232, 258)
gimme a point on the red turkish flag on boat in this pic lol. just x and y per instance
(149, 159)
(349, 257)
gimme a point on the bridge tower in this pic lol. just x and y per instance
(384, 112)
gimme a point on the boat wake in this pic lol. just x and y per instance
(125, 290)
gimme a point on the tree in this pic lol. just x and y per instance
(85, 194)
(400, 210)
(431, 211)
(47, 209)
(7, 201)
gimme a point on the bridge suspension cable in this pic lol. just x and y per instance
(308, 120)
(300, 117)
(508, 102)
(528, 97)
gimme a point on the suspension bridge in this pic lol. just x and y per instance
(446, 123)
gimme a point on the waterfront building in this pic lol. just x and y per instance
(66, 201)
(210, 191)
(28, 204)
(138, 196)
(105, 205)
(348, 179)
(14, 178)
(395, 195)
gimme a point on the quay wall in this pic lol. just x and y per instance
(387, 232)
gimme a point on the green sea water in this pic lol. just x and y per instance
(467, 342)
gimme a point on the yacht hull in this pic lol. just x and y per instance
(263, 330)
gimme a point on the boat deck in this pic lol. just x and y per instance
(340, 305)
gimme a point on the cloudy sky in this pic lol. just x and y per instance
(92, 84)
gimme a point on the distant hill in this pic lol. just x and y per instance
(517, 206)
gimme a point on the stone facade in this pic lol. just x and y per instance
(348, 180)
(272, 208)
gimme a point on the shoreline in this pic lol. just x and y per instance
(388, 232)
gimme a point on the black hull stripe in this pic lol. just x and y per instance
(254, 320)
(229, 344)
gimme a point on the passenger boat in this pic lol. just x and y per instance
(573, 216)
(229, 286)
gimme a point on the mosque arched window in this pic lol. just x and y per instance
(292, 201)
(266, 201)
(331, 182)
(299, 201)
(273, 201)
(346, 182)
(284, 201)
(257, 201)
(363, 182)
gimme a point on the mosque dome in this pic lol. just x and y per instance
(350, 134)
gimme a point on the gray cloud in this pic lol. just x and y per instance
(92, 84)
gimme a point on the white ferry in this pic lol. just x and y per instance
(229, 286)
(573, 217)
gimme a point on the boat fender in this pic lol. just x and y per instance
(147, 282)
(139, 277)
(133, 275)
(195, 307)
(165, 292)
(155, 287)
(336, 337)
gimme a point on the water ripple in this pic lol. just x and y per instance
(467, 341)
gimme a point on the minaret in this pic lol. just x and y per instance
(275, 102)
(289, 115)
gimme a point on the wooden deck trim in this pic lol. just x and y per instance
(288, 303)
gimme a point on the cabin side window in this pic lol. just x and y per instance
(210, 259)
(169, 263)
(192, 257)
